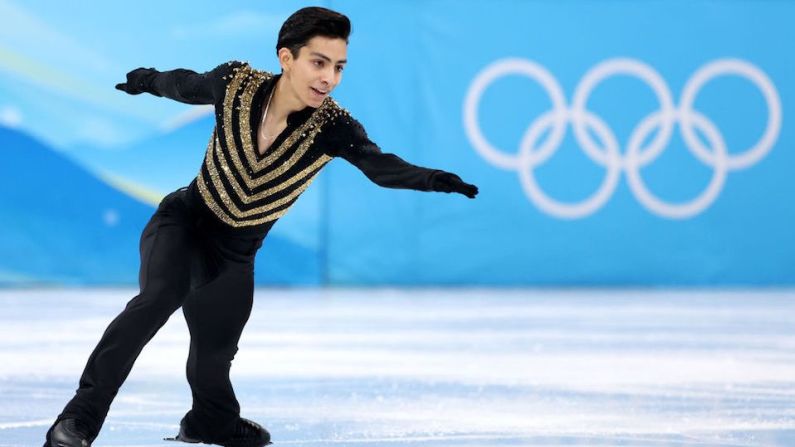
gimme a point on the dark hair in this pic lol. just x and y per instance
(309, 22)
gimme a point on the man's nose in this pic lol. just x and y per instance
(327, 76)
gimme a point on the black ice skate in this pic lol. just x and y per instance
(247, 434)
(68, 433)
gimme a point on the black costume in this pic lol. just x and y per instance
(198, 249)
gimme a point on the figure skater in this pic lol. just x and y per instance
(273, 135)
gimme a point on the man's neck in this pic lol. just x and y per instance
(284, 101)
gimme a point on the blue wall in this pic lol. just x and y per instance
(614, 143)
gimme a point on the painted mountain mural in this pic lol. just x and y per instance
(61, 224)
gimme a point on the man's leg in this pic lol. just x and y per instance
(216, 314)
(166, 245)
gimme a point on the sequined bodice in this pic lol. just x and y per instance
(242, 187)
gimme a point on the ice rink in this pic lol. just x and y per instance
(452, 367)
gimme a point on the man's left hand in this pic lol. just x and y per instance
(449, 182)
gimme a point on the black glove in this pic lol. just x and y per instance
(138, 81)
(449, 182)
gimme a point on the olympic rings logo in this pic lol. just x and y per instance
(533, 153)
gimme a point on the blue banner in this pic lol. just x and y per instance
(613, 142)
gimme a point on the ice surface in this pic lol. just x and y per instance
(453, 367)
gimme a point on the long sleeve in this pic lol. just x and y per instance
(189, 87)
(348, 139)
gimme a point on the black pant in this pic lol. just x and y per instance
(184, 262)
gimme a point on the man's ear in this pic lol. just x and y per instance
(285, 58)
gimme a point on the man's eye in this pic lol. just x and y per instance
(319, 63)
(340, 68)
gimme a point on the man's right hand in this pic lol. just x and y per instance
(137, 81)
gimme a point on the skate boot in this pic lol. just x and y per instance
(69, 433)
(247, 434)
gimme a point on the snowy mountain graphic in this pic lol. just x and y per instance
(61, 224)
(160, 163)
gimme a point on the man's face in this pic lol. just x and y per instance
(317, 70)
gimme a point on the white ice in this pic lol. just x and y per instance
(448, 367)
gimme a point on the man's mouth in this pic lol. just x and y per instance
(319, 93)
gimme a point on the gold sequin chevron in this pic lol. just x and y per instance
(243, 190)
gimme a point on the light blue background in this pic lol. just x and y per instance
(411, 64)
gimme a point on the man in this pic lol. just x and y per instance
(273, 135)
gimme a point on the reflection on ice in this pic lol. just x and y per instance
(437, 368)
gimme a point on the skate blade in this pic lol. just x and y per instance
(180, 439)
(191, 441)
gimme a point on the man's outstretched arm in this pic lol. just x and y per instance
(349, 140)
(180, 84)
